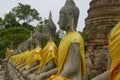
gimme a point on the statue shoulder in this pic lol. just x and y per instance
(76, 38)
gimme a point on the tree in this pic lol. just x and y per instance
(21, 15)
(17, 26)
(1, 23)
(25, 13)
(10, 20)
(13, 35)
(57, 38)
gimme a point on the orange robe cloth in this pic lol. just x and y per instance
(114, 45)
(34, 55)
(65, 43)
(48, 53)
(8, 52)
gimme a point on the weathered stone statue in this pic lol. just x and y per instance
(29, 52)
(49, 28)
(71, 58)
(22, 48)
(28, 45)
(37, 37)
(17, 51)
(33, 44)
(113, 72)
(49, 52)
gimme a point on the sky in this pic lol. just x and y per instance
(45, 6)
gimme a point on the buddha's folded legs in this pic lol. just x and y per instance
(27, 72)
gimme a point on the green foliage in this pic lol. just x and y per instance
(2, 53)
(57, 39)
(93, 27)
(17, 27)
(28, 26)
(14, 36)
(21, 15)
(26, 13)
(110, 26)
(41, 29)
(10, 20)
(44, 42)
(1, 21)
(85, 34)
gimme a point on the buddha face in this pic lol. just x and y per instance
(63, 21)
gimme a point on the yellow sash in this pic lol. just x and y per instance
(48, 53)
(33, 56)
(8, 52)
(65, 43)
(21, 58)
(71, 37)
(114, 45)
(18, 58)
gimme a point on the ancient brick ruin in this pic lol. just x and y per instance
(102, 16)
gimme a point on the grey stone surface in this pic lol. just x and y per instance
(14, 73)
(0, 67)
(49, 28)
(68, 22)
(2, 75)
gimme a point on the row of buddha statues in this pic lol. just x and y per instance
(67, 62)
(35, 63)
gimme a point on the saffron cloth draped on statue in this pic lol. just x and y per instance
(71, 37)
(114, 45)
(33, 56)
(48, 53)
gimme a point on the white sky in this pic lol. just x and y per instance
(44, 6)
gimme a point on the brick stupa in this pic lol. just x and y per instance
(102, 16)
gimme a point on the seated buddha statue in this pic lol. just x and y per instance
(113, 72)
(49, 52)
(29, 46)
(71, 57)
(34, 52)
(33, 60)
(17, 56)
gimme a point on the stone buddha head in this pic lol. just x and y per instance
(37, 37)
(69, 14)
(49, 27)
